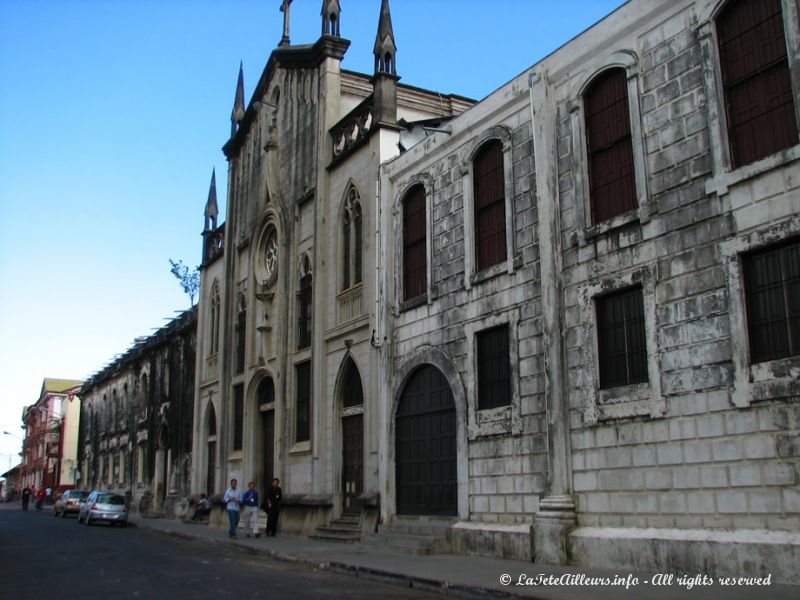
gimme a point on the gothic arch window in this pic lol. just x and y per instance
(415, 257)
(489, 205)
(266, 392)
(241, 330)
(612, 182)
(756, 79)
(352, 240)
(304, 304)
(214, 318)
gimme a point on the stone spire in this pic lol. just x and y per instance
(285, 9)
(212, 210)
(237, 114)
(385, 50)
(331, 15)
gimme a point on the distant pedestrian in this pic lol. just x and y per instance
(274, 507)
(26, 497)
(250, 503)
(48, 495)
(232, 499)
(40, 496)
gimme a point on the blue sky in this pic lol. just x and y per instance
(112, 115)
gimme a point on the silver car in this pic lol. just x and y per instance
(69, 502)
(104, 506)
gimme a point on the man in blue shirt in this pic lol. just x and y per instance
(250, 503)
(232, 499)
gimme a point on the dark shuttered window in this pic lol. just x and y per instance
(755, 77)
(494, 372)
(241, 331)
(302, 432)
(612, 184)
(772, 295)
(622, 350)
(490, 205)
(415, 262)
(238, 416)
(304, 312)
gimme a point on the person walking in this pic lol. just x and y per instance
(232, 499)
(40, 495)
(274, 507)
(250, 503)
(26, 497)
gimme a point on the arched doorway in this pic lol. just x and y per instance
(211, 451)
(266, 408)
(425, 446)
(352, 414)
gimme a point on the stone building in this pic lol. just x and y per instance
(136, 420)
(287, 374)
(589, 289)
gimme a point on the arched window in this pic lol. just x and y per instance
(612, 183)
(304, 305)
(352, 240)
(756, 79)
(266, 391)
(415, 260)
(490, 205)
(214, 319)
(241, 330)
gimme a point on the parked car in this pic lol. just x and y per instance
(103, 506)
(69, 502)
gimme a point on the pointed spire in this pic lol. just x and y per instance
(385, 49)
(285, 9)
(331, 12)
(212, 211)
(237, 114)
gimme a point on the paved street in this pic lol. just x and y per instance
(42, 556)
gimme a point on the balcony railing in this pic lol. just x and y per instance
(350, 304)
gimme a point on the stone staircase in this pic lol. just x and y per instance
(346, 529)
(413, 535)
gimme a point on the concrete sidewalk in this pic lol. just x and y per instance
(465, 575)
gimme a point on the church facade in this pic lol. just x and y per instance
(560, 323)
(288, 375)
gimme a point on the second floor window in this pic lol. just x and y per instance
(490, 205)
(241, 330)
(352, 240)
(415, 226)
(238, 416)
(612, 183)
(756, 79)
(304, 307)
(303, 405)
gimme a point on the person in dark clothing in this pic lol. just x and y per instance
(26, 497)
(274, 496)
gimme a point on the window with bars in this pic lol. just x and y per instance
(302, 432)
(238, 416)
(609, 150)
(772, 296)
(494, 368)
(490, 205)
(304, 312)
(621, 339)
(415, 261)
(755, 78)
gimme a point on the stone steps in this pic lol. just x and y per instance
(346, 529)
(414, 535)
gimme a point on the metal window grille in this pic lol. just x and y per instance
(490, 205)
(772, 296)
(755, 77)
(612, 184)
(621, 340)
(494, 373)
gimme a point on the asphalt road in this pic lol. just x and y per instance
(43, 557)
